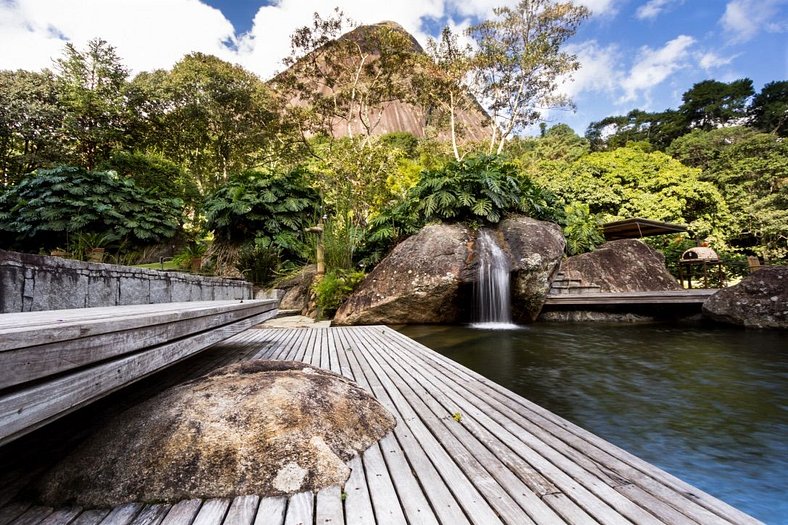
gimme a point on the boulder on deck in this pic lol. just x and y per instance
(259, 427)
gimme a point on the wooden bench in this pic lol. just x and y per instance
(53, 362)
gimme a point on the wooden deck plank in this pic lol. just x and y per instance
(674, 491)
(388, 509)
(123, 514)
(271, 511)
(13, 510)
(300, 509)
(358, 504)
(328, 506)
(183, 512)
(523, 483)
(33, 516)
(412, 498)
(603, 298)
(21, 330)
(53, 399)
(212, 511)
(242, 511)
(62, 516)
(598, 499)
(91, 517)
(25, 364)
(152, 514)
(495, 495)
(443, 502)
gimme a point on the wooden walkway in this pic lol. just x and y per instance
(631, 298)
(465, 450)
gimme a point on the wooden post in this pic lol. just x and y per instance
(321, 250)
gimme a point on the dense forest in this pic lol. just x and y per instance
(206, 154)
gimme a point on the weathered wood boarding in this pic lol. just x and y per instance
(505, 461)
(631, 298)
(56, 361)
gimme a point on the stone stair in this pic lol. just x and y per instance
(564, 284)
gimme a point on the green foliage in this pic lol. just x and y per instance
(274, 206)
(332, 290)
(582, 230)
(477, 190)
(155, 173)
(259, 261)
(750, 169)
(340, 242)
(49, 206)
(712, 104)
(769, 108)
(629, 182)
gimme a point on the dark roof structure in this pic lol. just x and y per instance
(637, 228)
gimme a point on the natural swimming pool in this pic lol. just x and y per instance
(708, 404)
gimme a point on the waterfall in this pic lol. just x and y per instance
(492, 287)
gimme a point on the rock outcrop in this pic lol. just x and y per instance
(760, 300)
(626, 265)
(429, 277)
(298, 292)
(417, 282)
(536, 249)
(259, 427)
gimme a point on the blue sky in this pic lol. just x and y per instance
(635, 53)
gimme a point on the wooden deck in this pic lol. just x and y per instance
(631, 298)
(465, 450)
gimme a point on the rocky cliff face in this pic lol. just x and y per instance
(429, 277)
(393, 115)
(758, 301)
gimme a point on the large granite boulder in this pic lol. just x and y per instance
(297, 292)
(758, 301)
(417, 282)
(429, 277)
(259, 427)
(535, 249)
(626, 265)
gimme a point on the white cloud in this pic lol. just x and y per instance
(744, 19)
(599, 69)
(148, 34)
(710, 60)
(653, 8)
(653, 66)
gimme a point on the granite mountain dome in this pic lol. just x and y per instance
(388, 114)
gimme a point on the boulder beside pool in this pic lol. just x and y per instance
(258, 427)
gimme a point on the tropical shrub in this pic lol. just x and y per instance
(258, 204)
(259, 261)
(582, 230)
(333, 288)
(49, 207)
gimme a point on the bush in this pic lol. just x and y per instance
(582, 230)
(276, 207)
(49, 208)
(332, 290)
(258, 262)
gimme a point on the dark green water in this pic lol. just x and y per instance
(707, 404)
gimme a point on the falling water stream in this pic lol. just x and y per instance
(492, 287)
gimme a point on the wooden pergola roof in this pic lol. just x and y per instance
(637, 228)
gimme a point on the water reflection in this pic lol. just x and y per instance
(707, 404)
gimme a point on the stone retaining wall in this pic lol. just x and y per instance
(31, 283)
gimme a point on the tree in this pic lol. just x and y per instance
(519, 63)
(442, 85)
(711, 104)
(749, 168)
(658, 129)
(219, 118)
(630, 182)
(769, 108)
(91, 90)
(30, 120)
